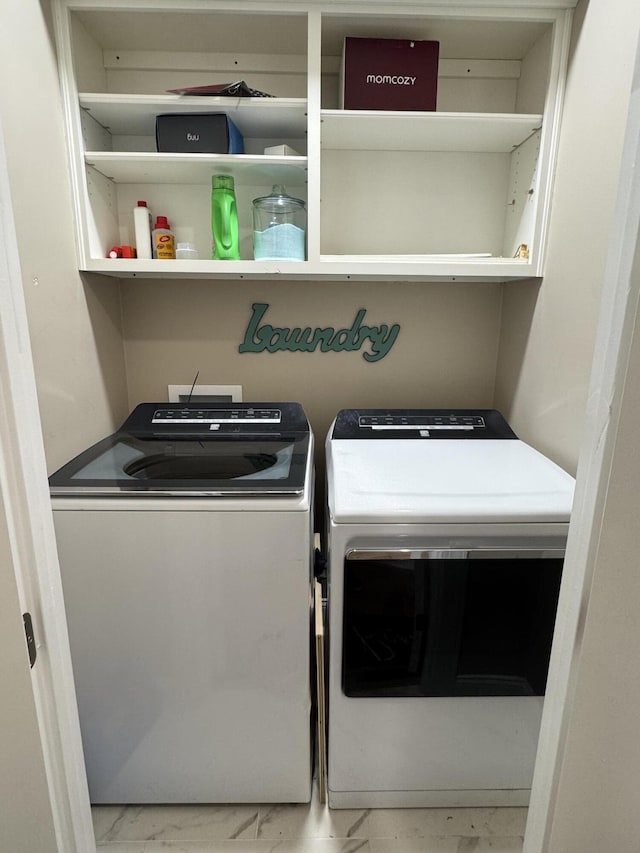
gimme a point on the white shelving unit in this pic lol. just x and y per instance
(445, 195)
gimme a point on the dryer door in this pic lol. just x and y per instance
(449, 622)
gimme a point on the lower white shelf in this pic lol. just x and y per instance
(327, 267)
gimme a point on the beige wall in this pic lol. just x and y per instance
(445, 353)
(548, 330)
(74, 325)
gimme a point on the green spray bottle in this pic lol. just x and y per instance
(224, 219)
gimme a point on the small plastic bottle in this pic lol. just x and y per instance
(186, 252)
(162, 239)
(142, 229)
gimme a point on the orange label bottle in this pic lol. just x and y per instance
(162, 239)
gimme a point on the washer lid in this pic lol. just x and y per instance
(394, 481)
(250, 449)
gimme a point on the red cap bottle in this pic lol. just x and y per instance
(162, 239)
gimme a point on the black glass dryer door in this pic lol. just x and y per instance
(449, 623)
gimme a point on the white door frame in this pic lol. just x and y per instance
(24, 488)
(618, 323)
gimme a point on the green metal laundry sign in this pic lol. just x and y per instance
(263, 337)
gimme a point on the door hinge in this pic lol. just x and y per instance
(31, 643)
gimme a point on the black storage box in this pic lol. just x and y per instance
(198, 133)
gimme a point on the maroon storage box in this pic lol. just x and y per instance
(389, 74)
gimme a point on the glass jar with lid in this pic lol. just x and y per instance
(279, 227)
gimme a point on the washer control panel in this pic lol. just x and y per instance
(212, 420)
(216, 416)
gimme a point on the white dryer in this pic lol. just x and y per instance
(445, 540)
(185, 544)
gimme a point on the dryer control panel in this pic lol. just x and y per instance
(421, 423)
(425, 421)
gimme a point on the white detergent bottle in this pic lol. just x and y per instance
(142, 230)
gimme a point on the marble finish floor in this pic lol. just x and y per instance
(309, 828)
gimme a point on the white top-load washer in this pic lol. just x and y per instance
(445, 540)
(185, 544)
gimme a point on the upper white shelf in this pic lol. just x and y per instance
(358, 130)
(126, 167)
(135, 115)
